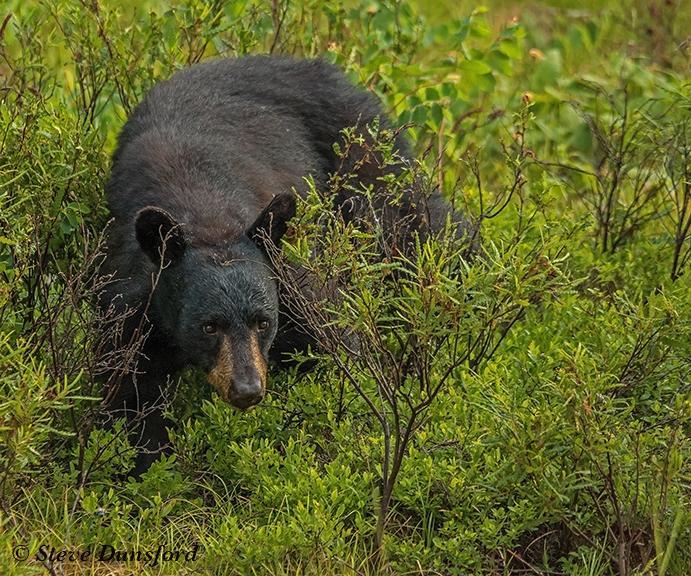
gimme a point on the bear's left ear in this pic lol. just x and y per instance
(159, 235)
(273, 221)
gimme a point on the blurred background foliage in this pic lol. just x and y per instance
(567, 453)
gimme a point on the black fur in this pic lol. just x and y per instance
(193, 178)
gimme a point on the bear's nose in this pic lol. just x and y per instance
(247, 393)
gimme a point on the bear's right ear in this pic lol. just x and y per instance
(272, 223)
(159, 235)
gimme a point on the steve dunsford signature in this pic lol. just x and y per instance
(108, 553)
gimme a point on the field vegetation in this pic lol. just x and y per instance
(523, 411)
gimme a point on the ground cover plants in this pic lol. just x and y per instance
(524, 410)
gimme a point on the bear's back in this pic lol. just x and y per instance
(216, 141)
(226, 92)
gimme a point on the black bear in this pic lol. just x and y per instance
(205, 170)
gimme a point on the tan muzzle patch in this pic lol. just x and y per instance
(258, 360)
(221, 377)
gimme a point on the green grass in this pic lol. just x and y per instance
(565, 452)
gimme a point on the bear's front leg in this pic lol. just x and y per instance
(141, 400)
(152, 440)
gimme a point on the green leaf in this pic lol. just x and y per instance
(474, 66)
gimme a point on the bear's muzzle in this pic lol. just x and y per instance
(239, 375)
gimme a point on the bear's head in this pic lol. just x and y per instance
(217, 306)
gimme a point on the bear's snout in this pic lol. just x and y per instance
(239, 375)
(246, 394)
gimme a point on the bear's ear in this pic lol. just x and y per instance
(159, 235)
(273, 221)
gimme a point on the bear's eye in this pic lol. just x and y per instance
(262, 325)
(210, 328)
